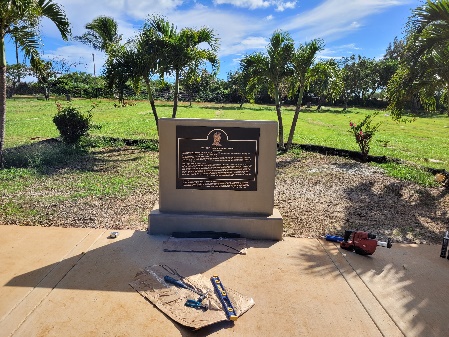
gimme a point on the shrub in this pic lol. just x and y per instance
(363, 133)
(72, 124)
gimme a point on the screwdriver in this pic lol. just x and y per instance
(180, 284)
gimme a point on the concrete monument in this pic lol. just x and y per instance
(217, 175)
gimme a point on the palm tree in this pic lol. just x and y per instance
(183, 48)
(430, 23)
(101, 34)
(272, 68)
(149, 52)
(302, 60)
(422, 72)
(431, 39)
(119, 68)
(20, 20)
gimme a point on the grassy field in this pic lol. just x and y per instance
(424, 141)
(46, 182)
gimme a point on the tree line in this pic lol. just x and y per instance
(412, 75)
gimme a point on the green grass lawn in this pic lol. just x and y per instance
(424, 141)
(44, 177)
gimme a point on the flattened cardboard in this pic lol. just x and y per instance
(170, 299)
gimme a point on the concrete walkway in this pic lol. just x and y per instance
(74, 282)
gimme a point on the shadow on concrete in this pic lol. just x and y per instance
(113, 263)
(409, 282)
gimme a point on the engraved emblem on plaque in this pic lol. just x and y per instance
(217, 139)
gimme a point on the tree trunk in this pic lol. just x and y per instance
(447, 95)
(2, 96)
(414, 107)
(295, 118)
(279, 114)
(121, 99)
(320, 103)
(17, 59)
(47, 93)
(153, 106)
(175, 100)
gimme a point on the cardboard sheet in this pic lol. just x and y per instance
(171, 299)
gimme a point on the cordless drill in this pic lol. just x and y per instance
(362, 243)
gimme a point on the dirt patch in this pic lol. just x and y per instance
(319, 194)
(316, 195)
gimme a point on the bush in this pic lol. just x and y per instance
(72, 124)
(363, 133)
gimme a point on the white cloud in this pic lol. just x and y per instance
(236, 31)
(251, 4)
(81, 12)
(247, 45)
(283, 5)
(241, 30)
(254, 4)
(79, 57)
(237, 60)
(255, 42)
(329, 20)
(338, 51)
(335, 18)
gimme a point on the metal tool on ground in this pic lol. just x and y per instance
(224, 299)
(181, 284)
(444, 246)
(195, 304)
(362, 243)
(333, 238)
(203, 296)
(113, 235)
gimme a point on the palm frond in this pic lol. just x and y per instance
(56, 14)
(27, 39)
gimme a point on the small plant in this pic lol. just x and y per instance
(363, 133)
(72, 124)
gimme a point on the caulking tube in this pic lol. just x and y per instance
(444, 246)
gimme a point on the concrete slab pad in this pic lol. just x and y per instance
(301, 287)
(411, 284)
(40, 259)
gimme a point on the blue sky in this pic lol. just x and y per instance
(364, 27)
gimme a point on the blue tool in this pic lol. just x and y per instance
(176, 282)
(223, 296)
(195, 304)
(181, 284)
(334, 238)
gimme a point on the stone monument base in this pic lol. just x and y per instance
(248, 226)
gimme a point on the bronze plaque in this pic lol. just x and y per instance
(216, 158)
